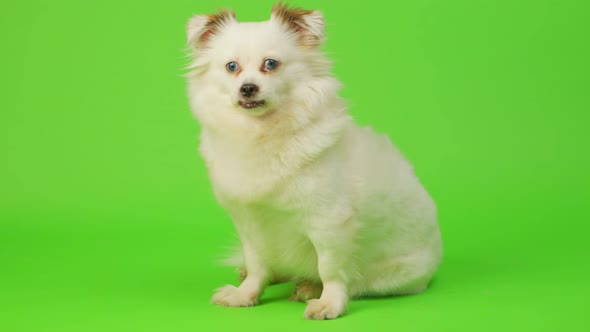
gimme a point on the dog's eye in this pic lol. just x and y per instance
(232, 66)
(271, 64)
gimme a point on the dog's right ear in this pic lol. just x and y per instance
(201, 28)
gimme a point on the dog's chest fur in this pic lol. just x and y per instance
(248, 176)
(274, 169)
(269, 196)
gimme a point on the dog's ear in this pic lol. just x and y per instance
(307, 24)
(201, 28)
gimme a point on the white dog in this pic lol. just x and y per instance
(314, 198)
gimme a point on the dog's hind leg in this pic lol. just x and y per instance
(306, 290)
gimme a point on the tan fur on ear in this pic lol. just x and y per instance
(201, 27)
(308, 24)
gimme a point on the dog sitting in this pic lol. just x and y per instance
(314, 198)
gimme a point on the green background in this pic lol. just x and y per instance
(108, 222)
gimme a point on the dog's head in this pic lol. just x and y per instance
(256, 68)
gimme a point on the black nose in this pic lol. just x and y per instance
(248, 90)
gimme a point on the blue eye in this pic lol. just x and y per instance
(271, 64)
(232, 66)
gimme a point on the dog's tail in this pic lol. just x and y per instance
(235, 259)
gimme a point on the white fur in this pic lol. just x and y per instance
(313, 197)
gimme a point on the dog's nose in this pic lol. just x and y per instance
(248, 90)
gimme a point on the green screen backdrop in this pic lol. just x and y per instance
(108, 221)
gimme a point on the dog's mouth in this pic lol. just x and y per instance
(250, 104)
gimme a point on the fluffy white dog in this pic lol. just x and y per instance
(314, 198)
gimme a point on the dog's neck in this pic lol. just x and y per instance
(275, 136)
(262, 160)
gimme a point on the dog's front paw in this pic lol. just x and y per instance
(323, 309)
(231, 296)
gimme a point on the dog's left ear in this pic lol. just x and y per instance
(307, 24)
(201, 28)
